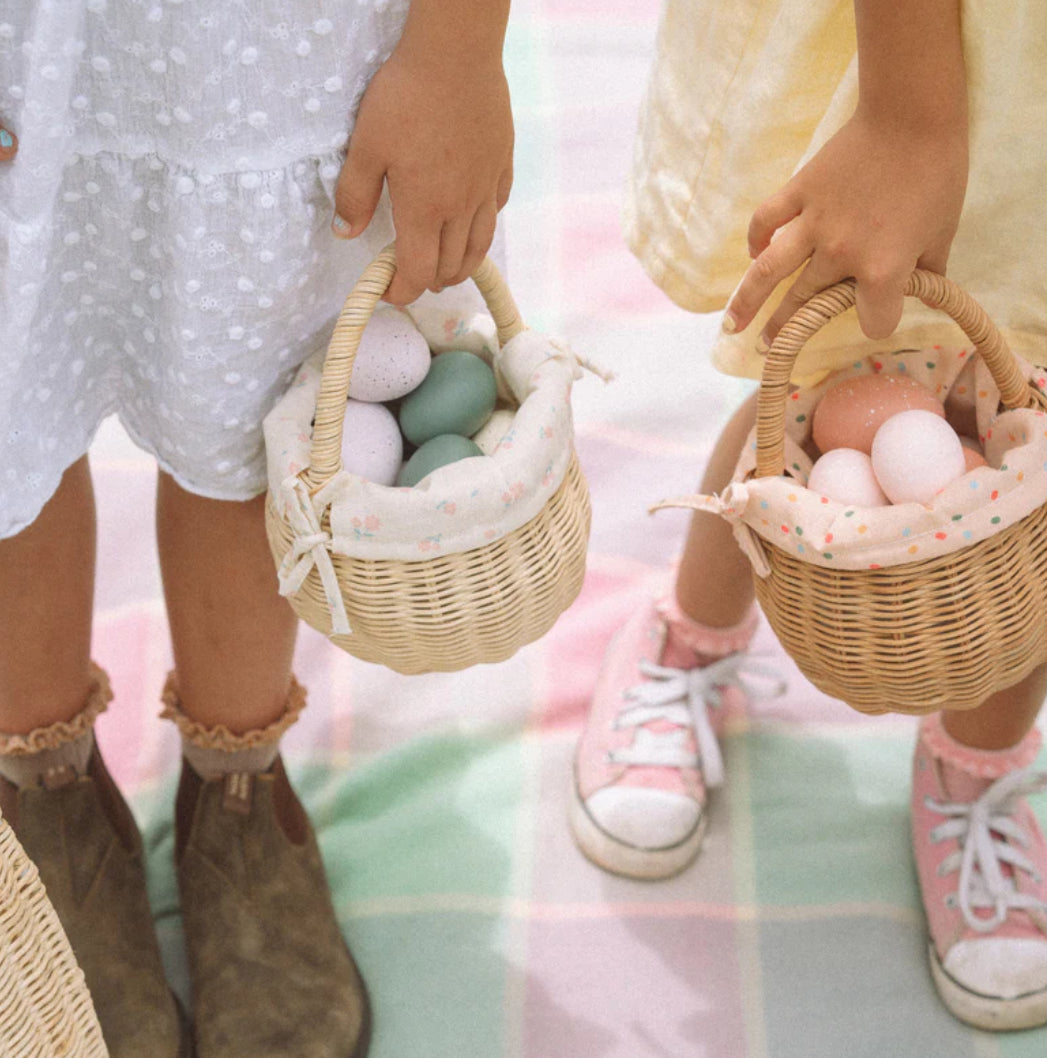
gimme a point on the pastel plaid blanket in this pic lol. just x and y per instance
(440, 800)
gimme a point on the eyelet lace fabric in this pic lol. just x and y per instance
(683, 699)
(990, 856)
(165, 250)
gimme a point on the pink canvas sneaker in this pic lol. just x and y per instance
(981, 859)
(649, 750)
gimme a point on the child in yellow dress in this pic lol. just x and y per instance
(887, 137)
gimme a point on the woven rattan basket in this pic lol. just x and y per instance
(45, 1008)
(449, 611)
(942, 633)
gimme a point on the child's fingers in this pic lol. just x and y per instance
(814, 278)
(8, 144)
(774, 213)
(781, 258)
(879, 302)
(453, 239)
(481, 235)
(357, 193)
(417, 256)
(505, 185)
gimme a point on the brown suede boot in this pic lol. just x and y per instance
(81, 836)
(271, 973)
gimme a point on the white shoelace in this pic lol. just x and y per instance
(683, 697)
(979, 826)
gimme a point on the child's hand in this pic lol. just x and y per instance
(878, 200)
(441, 133)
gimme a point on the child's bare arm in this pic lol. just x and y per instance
(884, 195)
(436, 124)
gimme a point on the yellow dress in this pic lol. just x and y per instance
(743, 93)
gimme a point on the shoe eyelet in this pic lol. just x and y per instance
(950, 901)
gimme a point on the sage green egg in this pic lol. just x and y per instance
(457, 396)
(436, 452)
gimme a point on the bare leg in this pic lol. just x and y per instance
(47, 575)
(714, 581)
(1002, 720)
(233, 635)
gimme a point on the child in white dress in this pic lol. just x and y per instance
(179, 223)
(865, 123)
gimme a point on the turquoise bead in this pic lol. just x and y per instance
(456, 397)
(436, 452)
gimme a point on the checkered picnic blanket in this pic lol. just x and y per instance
(440, 800)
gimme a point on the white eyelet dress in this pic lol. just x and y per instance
(165, 245)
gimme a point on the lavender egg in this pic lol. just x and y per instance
(392, 359)
(372, 447)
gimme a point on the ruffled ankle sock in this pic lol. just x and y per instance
(689, 644)
(968, 771)
(213, 752)
(53, 754)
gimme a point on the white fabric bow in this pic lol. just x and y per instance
(311, 547)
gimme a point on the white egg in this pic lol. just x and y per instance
(915, 454)
(392, 359)
(846, 475)
(372, 447)
(491, 433)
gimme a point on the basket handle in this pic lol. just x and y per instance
(933, 290)
(325, 455)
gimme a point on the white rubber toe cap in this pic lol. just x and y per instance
(998, 966)
(644, 818)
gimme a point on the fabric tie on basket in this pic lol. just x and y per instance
(311, 547)
(732, 505)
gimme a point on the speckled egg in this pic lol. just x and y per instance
(915, 454)
(496, 427)
(392, 359)
(372, 447)
(850, 412)
(846, 475)
(456, 397)
(436, 452)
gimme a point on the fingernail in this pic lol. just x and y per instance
(341, 227)
(763, 345)
(5, 139)
(729, 323)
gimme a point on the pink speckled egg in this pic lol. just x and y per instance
(915, 454)
(846, 475)
(393, 357)
(850, 413)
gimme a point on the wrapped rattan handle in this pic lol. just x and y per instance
(325, 456)
(933, 290)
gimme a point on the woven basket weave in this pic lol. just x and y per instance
(447, 612)
(942, 633)
(45, 1008)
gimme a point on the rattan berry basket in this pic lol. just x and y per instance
(441, 612)
(941, 633)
